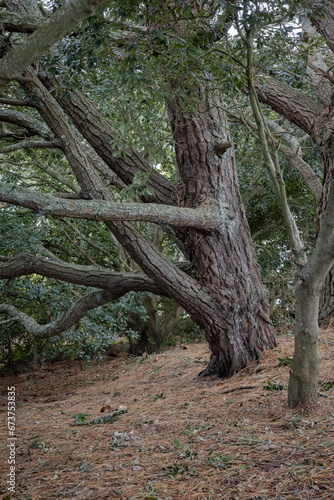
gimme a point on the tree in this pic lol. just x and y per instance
(316, 120)
(202, 213)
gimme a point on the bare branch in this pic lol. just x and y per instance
(30, 145)
(94, 276)
(78, 310)
(27, 121)
(207, 218)
(89, 241)
(292, 154)
(16, 102)
(59, 176)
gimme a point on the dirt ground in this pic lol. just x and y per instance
(178, 437)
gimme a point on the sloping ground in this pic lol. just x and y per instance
(180, 438)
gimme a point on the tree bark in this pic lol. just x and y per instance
(304, 373)
(206, 218)
(224, 261)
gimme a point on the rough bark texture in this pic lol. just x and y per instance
(322, 17)
(224, 261)
(288, 102)
(206, 218)
(96, 129)
(326, 303)
(93, 276)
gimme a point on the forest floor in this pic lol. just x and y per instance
(178, 436)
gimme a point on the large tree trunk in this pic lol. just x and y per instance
(224, 260)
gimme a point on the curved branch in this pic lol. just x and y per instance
(289, 103)
(27, 121)
(77, 311)
(207, 218)
(95, 276)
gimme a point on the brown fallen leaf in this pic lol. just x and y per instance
(105, 408)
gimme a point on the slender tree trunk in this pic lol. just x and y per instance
(304, 374)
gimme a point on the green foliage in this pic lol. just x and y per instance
(284, 361)
(220, 461)
(80, 417)
(124, 66)
(273, 386)
(137, 189)
(327, 385)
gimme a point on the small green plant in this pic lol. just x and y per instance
(284, 361)
(220, 461)
(159, 396)
(116, 393)
(137, 189)
(273, 386)
(177, 443)
(327, 385)
(80, 417)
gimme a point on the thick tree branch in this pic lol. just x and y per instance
(21, 23)
(78, 310)
(206, 218)
(289, 103)
(94, 276)
(31, 144)
(24, 120)
(16, 102)
(51, 30)
(29, 7)
(322, 17)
